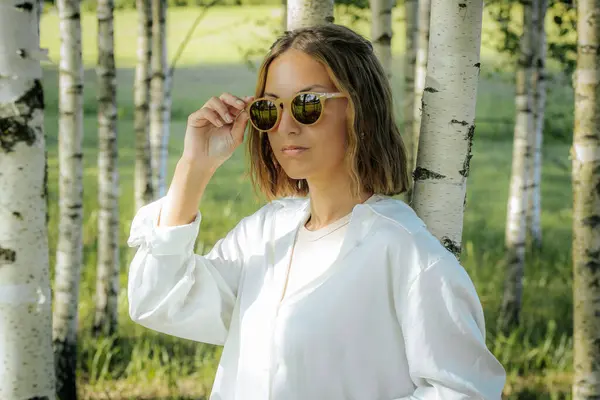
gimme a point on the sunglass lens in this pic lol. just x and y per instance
(306, 108)
(263, 114)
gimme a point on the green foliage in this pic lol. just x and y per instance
(560, 26)
(564, 47)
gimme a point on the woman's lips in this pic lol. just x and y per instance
(293, 151)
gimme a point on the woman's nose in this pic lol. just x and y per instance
(287, 123)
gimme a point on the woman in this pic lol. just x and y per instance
(334, 290)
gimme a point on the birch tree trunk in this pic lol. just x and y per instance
(423, 26)
(159, 134)
(107, 279)
(144, 192)
(448, 121)
(534, 208)
(302, 13)
(69, 247)
(26, 359)
(410, 58)
(517, 200)
(164, 161)
(284, 15)
(381, 32)
(40, 4)
(586, 204)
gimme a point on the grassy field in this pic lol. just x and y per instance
(141, 364)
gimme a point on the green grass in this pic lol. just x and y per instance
(143, 364)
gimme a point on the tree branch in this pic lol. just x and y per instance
(189, 34)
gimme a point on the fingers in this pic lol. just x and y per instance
(233, 101)
(247, 101)
(221, 108)
(220, 111)
(228, 106)
(239, 126)
(240, 104)
(199, 118)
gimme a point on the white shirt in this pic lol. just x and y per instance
(394, 317)
(314, 251)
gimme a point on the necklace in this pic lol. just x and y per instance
(327, 233)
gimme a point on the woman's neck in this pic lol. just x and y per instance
(330, 202)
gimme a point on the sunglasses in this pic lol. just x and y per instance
(306, 108)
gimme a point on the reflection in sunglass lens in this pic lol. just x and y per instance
(306, 108)
(263, 114)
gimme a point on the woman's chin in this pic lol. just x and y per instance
(297, 176)
(294, 173)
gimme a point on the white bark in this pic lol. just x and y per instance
(423, 26)
(164, 159)
(303, 13)
(284, 15)
(448, 119)
(107, 278)
(534, 208)
(40, 4)
(26, 359)
(69, 247)
(517, 200)
(586, 205)
(410, 58)
(144, 193)
(159, 134)
(381, 32)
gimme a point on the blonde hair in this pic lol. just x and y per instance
(376, 156)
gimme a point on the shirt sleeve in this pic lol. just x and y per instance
(174, 291)
(444, 331)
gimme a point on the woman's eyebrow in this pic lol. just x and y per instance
(306, 89)
(312, 87)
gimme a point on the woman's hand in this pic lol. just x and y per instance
(214, 131)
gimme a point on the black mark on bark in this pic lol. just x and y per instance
(45, 184)
(431, 90)
(589, 49)
(422, 173)
(592, 221)
(593, 266)
(25, 6)
(467, 163)
(463, 123)
(384, 39)
(7, 256)
(14, 129)
(451, 246)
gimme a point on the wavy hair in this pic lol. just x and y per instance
(376, 155)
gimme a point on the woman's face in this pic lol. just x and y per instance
(324, 142)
